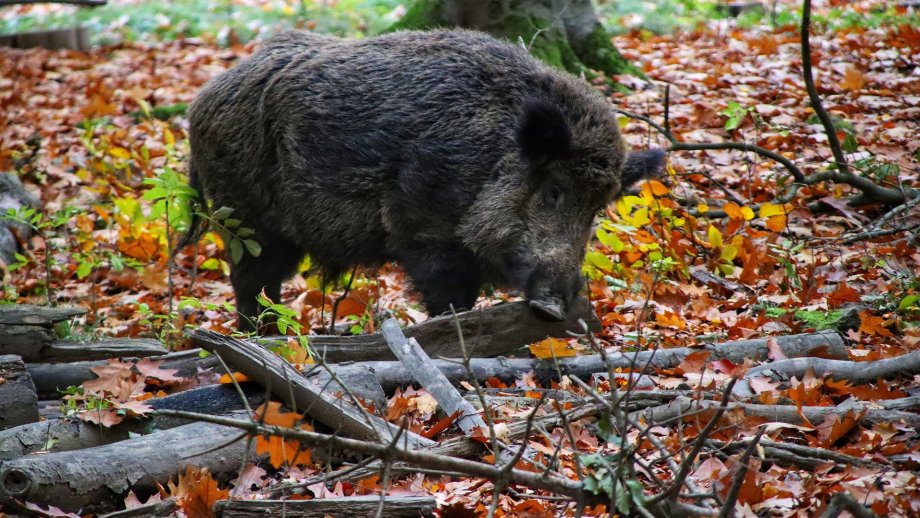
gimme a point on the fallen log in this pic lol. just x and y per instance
(855, 372)
(96, 480)
(352, 506)
(56, 435)
(29, 314)
(36, 343)
(392, 374)
(685, 406)
(802, 456)
(50, 378)
(487, 332)
(63, 352)
(285, 382)
(26, 341)
(18, 401)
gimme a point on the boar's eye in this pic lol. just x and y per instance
(552, 195)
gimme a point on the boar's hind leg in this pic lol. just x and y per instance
(444, 276)
(277, 261)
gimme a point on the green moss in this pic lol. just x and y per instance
(819, 319)
(599, 53)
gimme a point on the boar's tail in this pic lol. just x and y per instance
(196, 206)
(640, 165)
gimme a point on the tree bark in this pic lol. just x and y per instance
(563, 33)
(57, 435)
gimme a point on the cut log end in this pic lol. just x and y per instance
(15, 482)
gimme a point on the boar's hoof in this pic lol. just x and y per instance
(548, 309)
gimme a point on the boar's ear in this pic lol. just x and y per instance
(542, 133)
(640, 165)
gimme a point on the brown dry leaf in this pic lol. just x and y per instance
(834, 427)
(110, 377)
(151, 369)
(695, 363)
(107, 418)
(853, 79)
(774, 351)
(196, 492)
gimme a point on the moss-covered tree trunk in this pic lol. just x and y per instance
(564, 33)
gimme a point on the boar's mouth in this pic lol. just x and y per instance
(546, 309)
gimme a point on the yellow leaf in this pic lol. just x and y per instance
(771, 209)
(671, 172)
(119, 152)
(656, 188)
(715, 237)
(702, 208)
(168, 137)
(729, 252)
(640, 218)
(552, 348)
(747, 213)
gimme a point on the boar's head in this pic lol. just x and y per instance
(531, 224)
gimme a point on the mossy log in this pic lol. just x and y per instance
(565, 34)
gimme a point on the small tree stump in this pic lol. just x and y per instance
(71, 38)
(18, 402)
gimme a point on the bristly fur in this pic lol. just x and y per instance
(456, 154)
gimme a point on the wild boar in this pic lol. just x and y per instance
(457, 155)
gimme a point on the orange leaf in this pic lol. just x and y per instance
(843, 294)
(441, 425)
(552, 348)
(196, 492)
(872, 325)
(238, 376)
(853, 79)
(670, 320)
(776, 223)
(532, 509)
(280, 450)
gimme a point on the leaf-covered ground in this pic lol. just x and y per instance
(703, 254)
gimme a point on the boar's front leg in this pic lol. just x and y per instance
(444, 276)
(277, 262)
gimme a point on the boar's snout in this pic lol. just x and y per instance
(551, 290)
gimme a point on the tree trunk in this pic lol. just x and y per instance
(564, 33)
